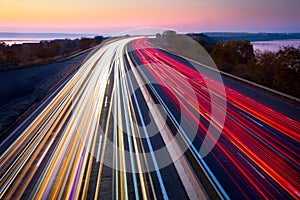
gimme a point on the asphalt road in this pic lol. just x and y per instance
(135, 122)
(20, 89)
(257, 153)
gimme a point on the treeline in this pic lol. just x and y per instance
(19, 55)
(224, 37)
(277, 70)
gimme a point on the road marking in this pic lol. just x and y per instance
(105, 103)
(252, 119)
(108, 81)
(99, 148)
(157, 170)
(44, 154)
(213, 120)
(252, 166)
(180, 90)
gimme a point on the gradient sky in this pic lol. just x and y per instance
(112, 16)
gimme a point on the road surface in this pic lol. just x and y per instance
(130, 124)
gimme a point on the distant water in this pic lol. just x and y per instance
(20, 38)
(274, 45)
(11, 41)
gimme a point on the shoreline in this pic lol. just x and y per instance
(274, 45)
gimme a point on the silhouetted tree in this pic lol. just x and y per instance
(287, 70)
(232, 53)
(98, 39)
(85, 43)
(45, 51)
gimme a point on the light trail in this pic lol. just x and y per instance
(264, 139)
(90, 138)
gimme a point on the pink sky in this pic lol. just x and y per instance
(112, 16)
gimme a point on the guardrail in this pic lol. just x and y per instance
(233, 76)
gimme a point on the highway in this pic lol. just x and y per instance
(132, 122)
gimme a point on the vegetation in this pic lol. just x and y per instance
(20, 55)
(224, 37)
(277, 70)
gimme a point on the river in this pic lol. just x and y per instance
(274, 45)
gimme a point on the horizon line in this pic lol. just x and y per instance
(111, 34)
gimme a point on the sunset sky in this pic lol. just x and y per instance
(112, 16)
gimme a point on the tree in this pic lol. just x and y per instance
(265, 68)
(98, 39)
(85, 43)
(287, 70)
(232, 53)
